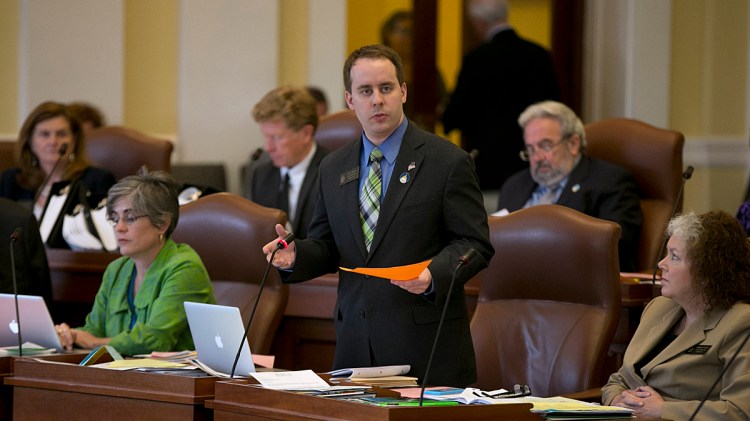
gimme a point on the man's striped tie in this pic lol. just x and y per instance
(369, 201)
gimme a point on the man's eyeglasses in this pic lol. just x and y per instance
(129, 219)
(545, 147)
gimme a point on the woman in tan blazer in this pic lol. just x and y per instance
(696, 333)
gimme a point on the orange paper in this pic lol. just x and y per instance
(397, 273)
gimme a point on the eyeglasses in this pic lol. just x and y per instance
(544, 147)
(129, 219)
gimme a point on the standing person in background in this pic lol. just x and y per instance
(139, 306)
(397, 196)
(288, 119)
(695, 333)
(397, 32)
(50, 126)
(498, 80)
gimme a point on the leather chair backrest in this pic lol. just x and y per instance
(549, 302)
(123, 151)
(337, 129)
(654, 158)
(228, 232)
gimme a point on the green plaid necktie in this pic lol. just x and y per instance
(369, 201)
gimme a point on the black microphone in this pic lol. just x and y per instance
(61, 153)
(16, 236)
(723, 371)
(256, 154)
(280, 245)
(463, 260)
(685, 177)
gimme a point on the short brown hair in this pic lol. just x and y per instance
(375, 51)
(719, 256)
(295, 106)
(84, 112)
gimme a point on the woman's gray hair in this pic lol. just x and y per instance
(569, 122)
(153, 194)
(687, 226)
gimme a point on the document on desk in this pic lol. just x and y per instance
(380, 371)
(397, 273)
(291, 380)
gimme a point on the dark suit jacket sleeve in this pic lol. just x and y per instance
(621, 203)
(466, 223)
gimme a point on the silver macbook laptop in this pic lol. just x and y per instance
(36, 323)
(217, 331)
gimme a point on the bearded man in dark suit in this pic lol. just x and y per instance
(561, 173)
(422, 194)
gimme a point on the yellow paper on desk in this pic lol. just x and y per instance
(144, 363)
(397, 273)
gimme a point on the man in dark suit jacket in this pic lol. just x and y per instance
(32, 270)
(498, 80)
(561, 173)
(431, 209)
(288, 118)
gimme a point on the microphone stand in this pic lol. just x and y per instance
(462, 261)
(685, 177)
(13, 238)
(280, 245)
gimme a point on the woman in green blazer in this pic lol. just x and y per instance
(139, 306)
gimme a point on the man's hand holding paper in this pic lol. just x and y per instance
(415, 278)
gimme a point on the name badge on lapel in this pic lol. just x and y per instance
(698, 350)
(349, 176)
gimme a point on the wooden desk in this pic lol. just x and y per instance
(306, 337)
(236, 401)
(6, 392)
(72, 392)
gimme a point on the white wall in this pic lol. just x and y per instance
(71, 50)
(227, 62)
(327, 49)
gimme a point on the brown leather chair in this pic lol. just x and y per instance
(123, 151)
(338, 129)
(7, 160)
(228, 233)
(549, 302)
(654, 157)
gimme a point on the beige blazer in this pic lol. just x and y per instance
(684, 371)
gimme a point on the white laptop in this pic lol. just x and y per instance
(36, 323)
(217, 331)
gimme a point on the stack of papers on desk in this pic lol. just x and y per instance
(29, 349)
(383, 376)
(556, 408)
(559, 408)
